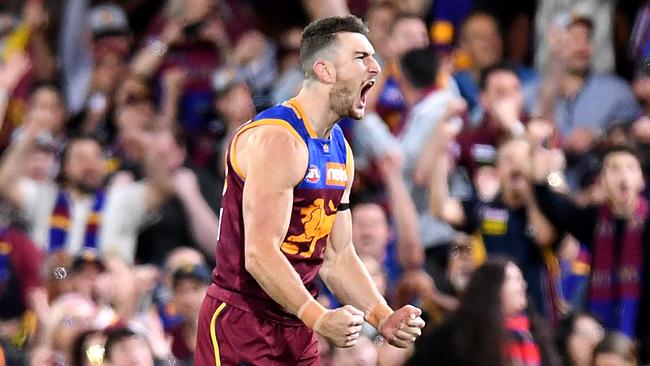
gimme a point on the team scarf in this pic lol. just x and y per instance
(521, 349)
(60, 222)
(615, 289)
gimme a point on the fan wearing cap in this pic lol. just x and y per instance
(189, 286)
(85, 269)
(110, 47)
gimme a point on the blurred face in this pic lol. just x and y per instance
(513, 292)
(355, 70)
(379, 21)
(461, 266)
(84, 166)
(502, 85)
(482, 41)
(236, 105)
(40, 165)
(641, 88)
(188, 296)
(108, 70)
(578, 51)
(132, 351)
(611, 359)
(408, 34)
(370, 231)
(83, 280)
(584, 338)
(131, 90)
(47, 109)
(622, 178)
(363, 354)
(513, 169)
(179, 258)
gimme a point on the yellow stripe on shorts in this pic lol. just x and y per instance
(213, 334)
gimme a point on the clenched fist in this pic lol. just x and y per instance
(342, 326)
(402, 327)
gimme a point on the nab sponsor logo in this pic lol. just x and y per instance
(337, 174)
(313, 174)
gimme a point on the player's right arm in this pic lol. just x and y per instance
(273, 162)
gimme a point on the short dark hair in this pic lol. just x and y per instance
(61, 179)
(420, 67)
(498, 67)
(623, 148)
(115, 336)
(51, 85)
(479, 14)
(321, 34)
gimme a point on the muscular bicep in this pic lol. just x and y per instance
(269, 183)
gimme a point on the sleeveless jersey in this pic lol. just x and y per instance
(315, 202)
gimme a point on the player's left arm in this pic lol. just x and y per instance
(345, 275)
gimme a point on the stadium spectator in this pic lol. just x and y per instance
(191, 36)
(69, 316)
(80, 211)
(491, 325)
(126, 347)
(501, 97)
(407, 32)
(509, 223)
(554, 13)
(189, 217)
(481, 40)
(46, 108)
(190, 284)
(576, 336)
(615, 232)
(88, 348)
(84, 272)
(582, 102)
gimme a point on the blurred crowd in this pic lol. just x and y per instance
(500, 181)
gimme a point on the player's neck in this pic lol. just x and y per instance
(314, 102)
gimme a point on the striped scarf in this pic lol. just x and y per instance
(521, 349)
(615, 288)
(60, 222)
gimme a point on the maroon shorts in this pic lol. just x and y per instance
(229, 336)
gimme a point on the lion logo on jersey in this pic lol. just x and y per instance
(318, 224)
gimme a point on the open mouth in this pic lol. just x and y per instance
(365, 88)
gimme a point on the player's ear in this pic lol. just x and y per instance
(324, 71)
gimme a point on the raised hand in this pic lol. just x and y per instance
(13, 69)
(341, 326)
(402, 327)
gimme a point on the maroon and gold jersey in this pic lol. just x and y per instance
(315, 202)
